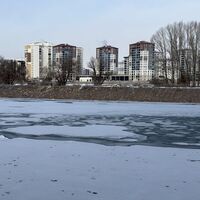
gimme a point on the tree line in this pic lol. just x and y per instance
(178, 52)
(12, 71)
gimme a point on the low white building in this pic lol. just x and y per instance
(85, 79)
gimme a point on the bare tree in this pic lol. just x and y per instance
(193, 33)
(98, 76)
(62, 72)
(160, 41)
(179, 43)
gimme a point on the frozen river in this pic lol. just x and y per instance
(86, 150)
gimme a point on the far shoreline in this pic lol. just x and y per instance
(102, 93)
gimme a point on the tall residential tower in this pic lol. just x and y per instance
(141, 61)
(38, 59)
(107, 57)
(70, 55)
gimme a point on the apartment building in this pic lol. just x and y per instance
(38, 59)
(141, 61)
(70, 55)
(126, 65)
(121, 68)
(107, 58)
(79, 61)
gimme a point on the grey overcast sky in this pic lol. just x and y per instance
(87, 23)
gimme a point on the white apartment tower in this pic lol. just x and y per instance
(38, 58)
(141, 61)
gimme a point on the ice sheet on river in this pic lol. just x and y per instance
(56, 107)
(107, 123)
(52, 170)
(104, 150)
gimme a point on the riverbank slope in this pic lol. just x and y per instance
(181, 95)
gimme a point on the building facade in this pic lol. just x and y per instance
(141, 61)
(38, 59)
(186, 66)
(107, 58)
(121, 68)
(126, 65)
(79, 61)
(70, 55)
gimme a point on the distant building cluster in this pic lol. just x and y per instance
(141, 65)
(44, 57)
(137, 66)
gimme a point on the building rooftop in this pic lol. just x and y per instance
(43, 43)
(64, 45)
(107, 47)
(141, 42)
